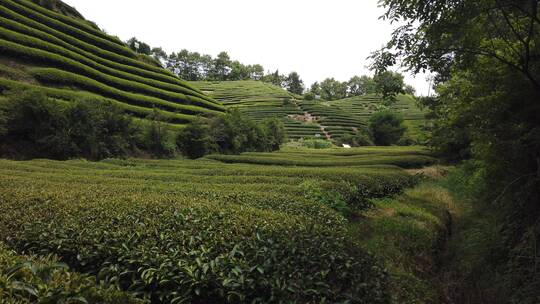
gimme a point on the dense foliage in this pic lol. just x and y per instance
(232, 133)
(386, 84)
(487, 58)
(386, 128)
(36, 127)
(32, 279)
(33, 126)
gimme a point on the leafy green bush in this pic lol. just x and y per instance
(316, 143)
(333, 199)
(165, 242)
(235, 133)
(194, 140)
(31, 279)
(37, 127)
(157, 138)
(386, 128)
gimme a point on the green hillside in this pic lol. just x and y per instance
(362, 107)
(69, 59)
(307, 119)
(260, 100)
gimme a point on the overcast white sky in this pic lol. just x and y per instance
(316, 38)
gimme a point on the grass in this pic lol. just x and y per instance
(408, 234)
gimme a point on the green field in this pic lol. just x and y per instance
(201, 230)
(44, 50)
(404, 157)
(259, 100)
(309, 119)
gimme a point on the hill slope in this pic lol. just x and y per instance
(70, 59)
(308, 119)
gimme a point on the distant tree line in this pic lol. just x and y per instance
(387, 84)
(33, 126)
(194, 66)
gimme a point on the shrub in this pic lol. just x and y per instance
(30, 279)
(386, 128)
(317, 144)
(358, 139)
(275, 133)
(333, 199)
(309, 96)
(194, 140)
(234, 133)
(36, 127)
(157, 138)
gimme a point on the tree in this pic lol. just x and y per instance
(222, 67)
(386, 128)
(315, 89)
(294, 84)
(194, 140)
(332, 89)
(409, 89)
(486, 56)
(358, 86)
(275, 133)
(256, 72)
(139, 46)
(388, 84)
(160, 55)
(274, 78)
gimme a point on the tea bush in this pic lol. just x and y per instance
(191, 231)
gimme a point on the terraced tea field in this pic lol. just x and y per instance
(404, 157)
(199, 231)
(45, 50)
(362, 107)
(308, 119)
(260, 100)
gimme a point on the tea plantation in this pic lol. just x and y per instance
(309, 119)
(181, 231)
(70, 59)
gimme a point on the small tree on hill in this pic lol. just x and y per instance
(386, 128)
(389, 84)
(294, 84)
(194, 140)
